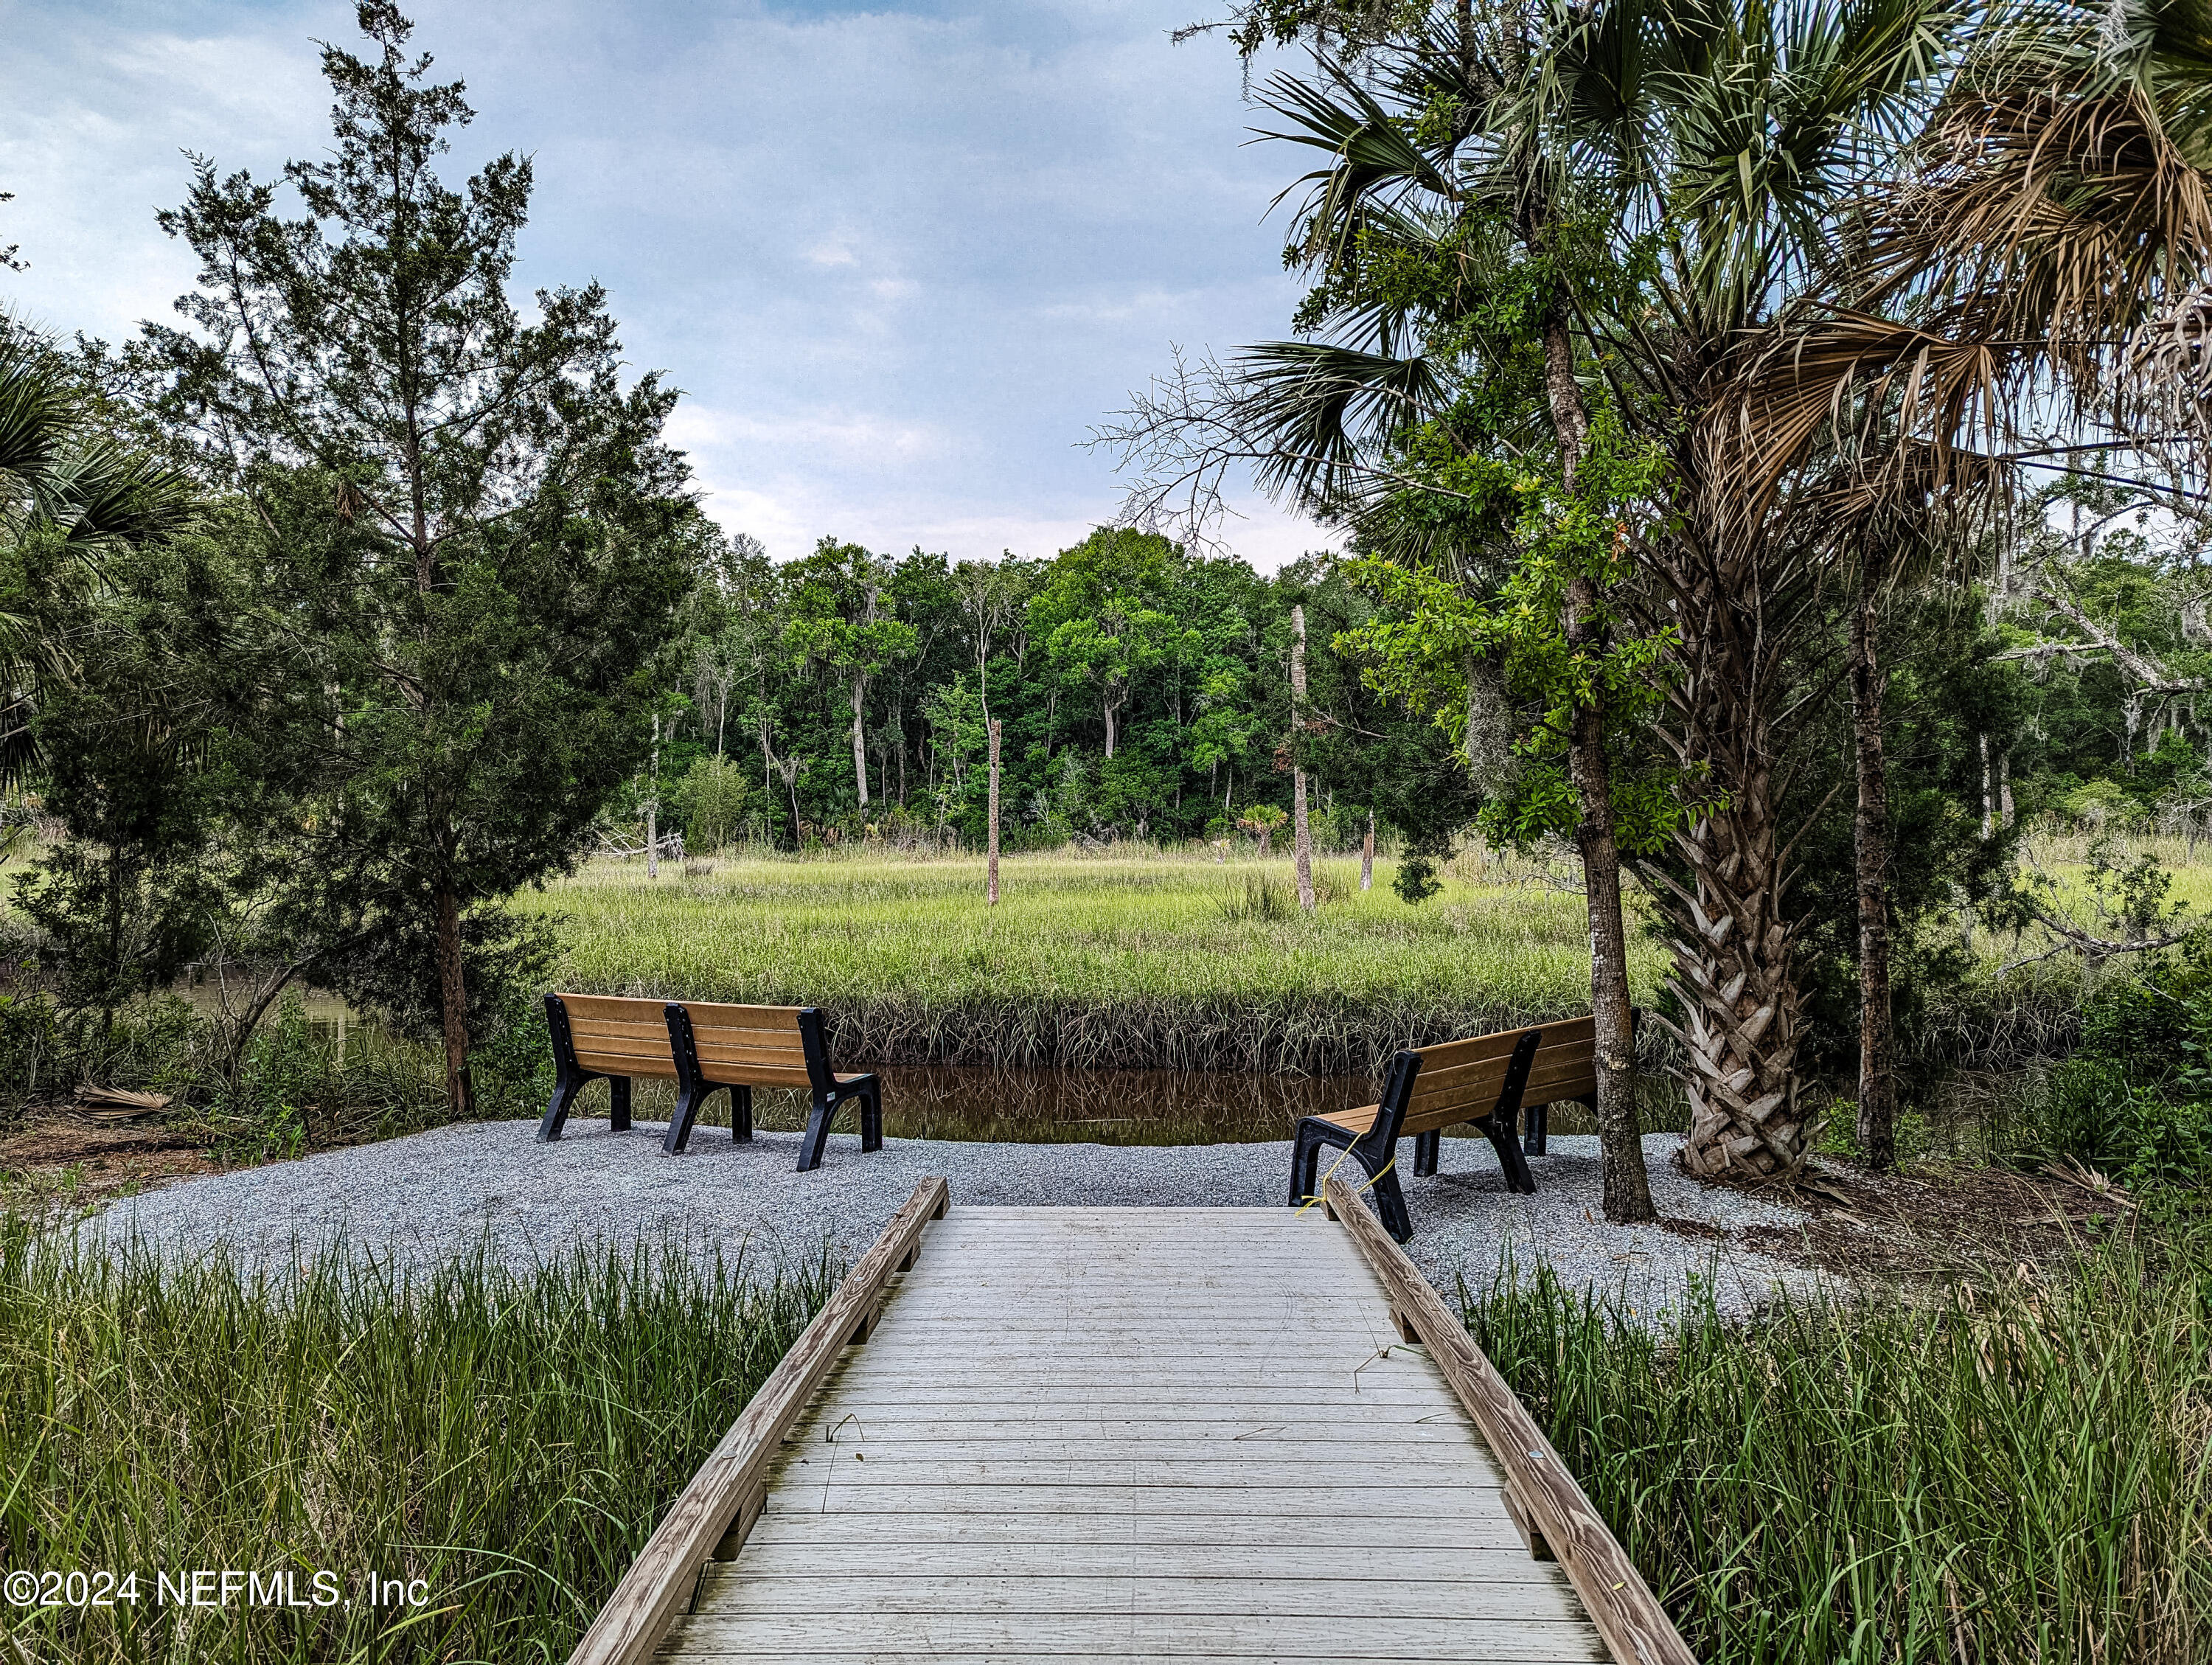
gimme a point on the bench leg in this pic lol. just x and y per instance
(687, 1113)
(1390, 1205)
(1539, 1121)
(871, 1120)
(1300, 1190)
(1510, 1162)
(1305, 1164)
(618, 1110)
(557, 1112)
(1427, 1147)
(741, 1115)
(816, 1136)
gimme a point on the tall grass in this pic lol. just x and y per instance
(509, 1439)
(2020, 1472)
(1137, 961)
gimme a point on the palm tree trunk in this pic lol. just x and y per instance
(1732, 972)
(1877, 1109)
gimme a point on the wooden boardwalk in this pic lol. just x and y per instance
(1135, 1433)
(1110, 1434)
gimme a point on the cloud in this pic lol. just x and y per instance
(901, 260)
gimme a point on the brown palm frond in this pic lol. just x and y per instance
(1865, 381)
(2068, 214)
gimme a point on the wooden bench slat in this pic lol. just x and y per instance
(720, 1014)
(622, 1063)
(621, 1007)
(1482, 1048)
(771, 1057)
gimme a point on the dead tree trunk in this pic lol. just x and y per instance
(860, 740)
(1877, 1107)
(652, 807)
(991, 858)
(1367, 855)
(1301, 824)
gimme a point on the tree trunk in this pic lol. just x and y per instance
(652, 808)
(859, 742)
(1731, 950)
(1989, 792)
(1367, 855)
(1620, 1133)
(1108, 707)
(1301, 822)
(452, 999)
(1877, 1111)
(991, 861)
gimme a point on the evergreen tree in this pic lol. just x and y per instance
(468, 526)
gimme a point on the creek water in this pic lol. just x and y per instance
(979, 1104)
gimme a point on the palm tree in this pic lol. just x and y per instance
(68, 494)
(2040, 256)
(1717, 150)
(1468, 154)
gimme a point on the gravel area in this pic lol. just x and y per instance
(428, 1197)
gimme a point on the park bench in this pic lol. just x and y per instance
(1486, 1082)
(704, 1047)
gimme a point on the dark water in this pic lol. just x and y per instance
(977, 1104)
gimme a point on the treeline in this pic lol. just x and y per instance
(1142, 692)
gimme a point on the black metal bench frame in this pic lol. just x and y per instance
(694, 1090)
(570, 1077)
(1375, 1150)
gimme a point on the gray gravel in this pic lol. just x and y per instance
(431, 1196)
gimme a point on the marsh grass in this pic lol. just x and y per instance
(2016, 1472)
(1139, 961)
(509, 1438)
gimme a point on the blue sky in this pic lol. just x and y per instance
(901, 260)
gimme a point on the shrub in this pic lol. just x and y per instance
(711, 800)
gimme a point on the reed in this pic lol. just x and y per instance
(506, 1438)
(2015, 1471)
(1132, 961)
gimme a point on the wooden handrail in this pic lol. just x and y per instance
(667, 1571)
(1636, 1628)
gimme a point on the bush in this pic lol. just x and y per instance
(2137, 1097)
(710, 800)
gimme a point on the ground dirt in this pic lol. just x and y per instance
(1935, 1219)
(66, 1156)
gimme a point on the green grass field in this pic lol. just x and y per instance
(1139, 961)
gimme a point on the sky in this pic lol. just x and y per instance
(902, 261)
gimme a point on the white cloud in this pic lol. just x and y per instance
(902, 261)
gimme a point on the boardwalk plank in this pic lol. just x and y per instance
(1093, 1434)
